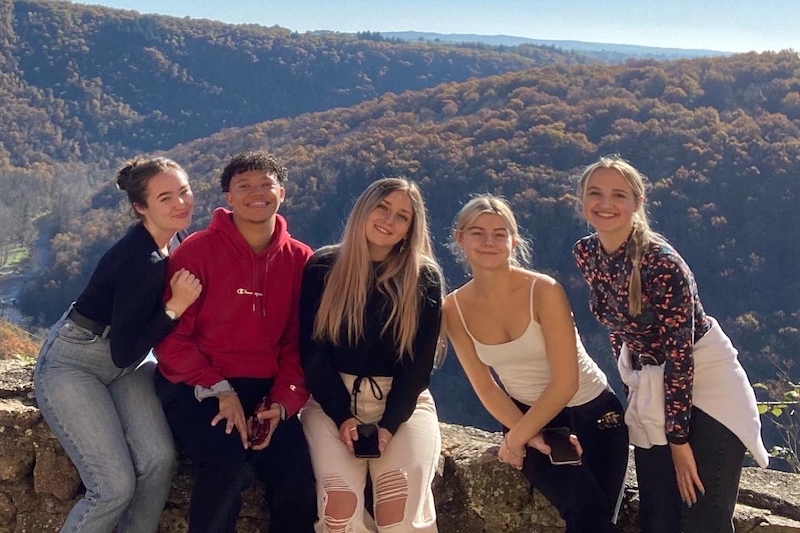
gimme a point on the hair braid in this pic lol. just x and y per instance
(636, 248)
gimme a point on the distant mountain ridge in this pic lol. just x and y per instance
(589, 48)
(88, 83)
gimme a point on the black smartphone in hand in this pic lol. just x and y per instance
(562, 452)
(367, 444)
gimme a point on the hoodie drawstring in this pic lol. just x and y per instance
(263, 291)
(377, 393)
(266, 277)
(254, 261)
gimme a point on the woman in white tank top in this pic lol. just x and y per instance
(518, 323)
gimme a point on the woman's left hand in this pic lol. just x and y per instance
(511, 453)
(384, 437)
(686, 472)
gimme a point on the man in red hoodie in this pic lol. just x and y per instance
(236, 346)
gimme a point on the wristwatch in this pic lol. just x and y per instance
(170, 313)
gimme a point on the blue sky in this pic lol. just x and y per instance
(725, 25)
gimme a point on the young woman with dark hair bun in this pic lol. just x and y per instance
(91, 386)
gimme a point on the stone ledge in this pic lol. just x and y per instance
(474, 492)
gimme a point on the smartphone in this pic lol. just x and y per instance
(367, 443)
(259, 430)
(562, 452)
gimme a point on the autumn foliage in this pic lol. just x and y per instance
(83, 87)
(16, 342)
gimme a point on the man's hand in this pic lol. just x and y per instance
(230, 409)
(273, 415)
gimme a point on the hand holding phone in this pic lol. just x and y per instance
(562, 451)
(259, 429)
(366, 445)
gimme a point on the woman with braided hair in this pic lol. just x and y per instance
(691, 411)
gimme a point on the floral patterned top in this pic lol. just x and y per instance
(671, 321)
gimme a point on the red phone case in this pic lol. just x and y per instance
(260, 428)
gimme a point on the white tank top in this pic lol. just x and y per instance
(522, 366)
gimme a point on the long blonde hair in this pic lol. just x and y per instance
(641, 235)
(349, 281)
(488, 203)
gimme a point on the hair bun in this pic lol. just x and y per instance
(125, 173)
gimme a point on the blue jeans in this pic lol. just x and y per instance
(111, 425)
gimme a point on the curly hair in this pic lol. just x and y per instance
(252, 160)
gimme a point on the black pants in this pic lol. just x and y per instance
(585, 495)
(223, 468)
(719, 455)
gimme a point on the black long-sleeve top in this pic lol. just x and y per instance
(374, 355)
(125, 292)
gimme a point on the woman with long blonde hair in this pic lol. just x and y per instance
(691, 411)
(369, 325)
(517, 324)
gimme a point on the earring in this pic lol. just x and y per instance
(403, 246)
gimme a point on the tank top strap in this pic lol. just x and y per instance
(530, 304)
(461, 315)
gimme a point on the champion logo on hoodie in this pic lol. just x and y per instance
(242, 290)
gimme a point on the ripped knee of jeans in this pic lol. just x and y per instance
(391, 495)
(340, 504)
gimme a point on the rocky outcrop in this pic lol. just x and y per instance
(474, 492)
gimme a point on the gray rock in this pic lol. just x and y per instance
(475, 493)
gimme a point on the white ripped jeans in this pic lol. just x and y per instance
(405, 469)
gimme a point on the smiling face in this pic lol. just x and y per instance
(609, 203)
(255, 196)
(487, 242)
(388, 224)
(169, 204)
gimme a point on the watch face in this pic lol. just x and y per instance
(171, 314)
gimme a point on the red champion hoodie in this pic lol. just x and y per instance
(245, 322)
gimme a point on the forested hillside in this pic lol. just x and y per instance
(89, 84)
(719, 138)
(83, 86)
